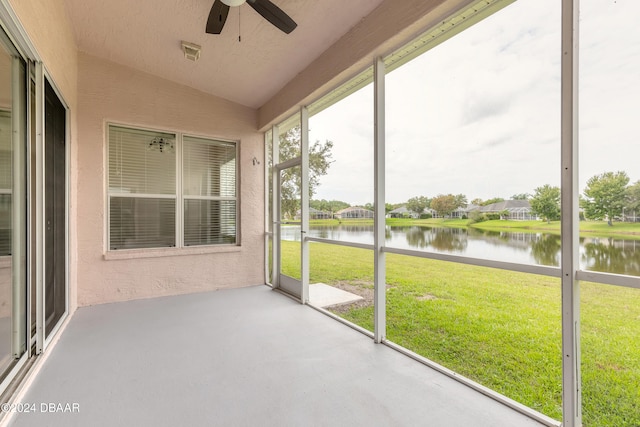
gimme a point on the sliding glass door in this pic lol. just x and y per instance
(55, 209)
(13, 206)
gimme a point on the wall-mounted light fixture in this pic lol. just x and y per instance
(161, 144)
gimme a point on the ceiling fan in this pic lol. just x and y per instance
(268, 10)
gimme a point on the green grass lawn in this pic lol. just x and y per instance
(499, 328)
(334, 222)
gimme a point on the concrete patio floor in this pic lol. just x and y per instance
(241, 357)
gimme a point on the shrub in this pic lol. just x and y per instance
(476, 216)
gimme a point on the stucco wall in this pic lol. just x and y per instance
(109, 92)
(49, 28)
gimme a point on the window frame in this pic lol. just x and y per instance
(183, 197)
(179, 197)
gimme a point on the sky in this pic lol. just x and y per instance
(480, 114)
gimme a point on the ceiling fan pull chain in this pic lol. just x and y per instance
(239, 29)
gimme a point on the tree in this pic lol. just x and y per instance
(319, 162)
(492, 201)
(444, 204)
(331, 206)
(605, 195)
(461, 200)
(477, 201)
(337, 205)
(321, 205)
(633, 198)
(545, 202)
(418, 204)
(521, 196)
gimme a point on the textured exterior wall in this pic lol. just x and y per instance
(49, 28)
(113, 93)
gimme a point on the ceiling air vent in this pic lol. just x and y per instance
(191, 50)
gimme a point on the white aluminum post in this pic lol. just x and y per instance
(571, 387)
(30, 208)
(304, 204)
(267, 212)
(275, 207)
(39, 209)
(19, 208)
(379, 203)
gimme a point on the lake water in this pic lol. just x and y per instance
(603, 254)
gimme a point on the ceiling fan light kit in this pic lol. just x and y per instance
(268, 10)
(233, 3)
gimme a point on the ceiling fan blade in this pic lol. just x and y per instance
(273, 14)
(217, 17)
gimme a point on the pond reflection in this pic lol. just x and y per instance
(354, 232)
(597, 254)
(611, 255)
(443, 240)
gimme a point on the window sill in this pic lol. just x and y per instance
(165, 252)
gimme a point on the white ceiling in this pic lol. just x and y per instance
(147, 34)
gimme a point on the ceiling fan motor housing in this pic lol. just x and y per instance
(233, 3)
(268, 10)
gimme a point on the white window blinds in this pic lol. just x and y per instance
(141, 162)
(142, 189)
(145, 195)
(209, 191)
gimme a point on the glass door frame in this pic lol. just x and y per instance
(297, 288)
(286, 283)
(20, 300)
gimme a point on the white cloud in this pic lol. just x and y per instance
(609, 90)
(480, 114)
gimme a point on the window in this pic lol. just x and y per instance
(170, 190)
(209, 191)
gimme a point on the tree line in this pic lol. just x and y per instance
(606, 196)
